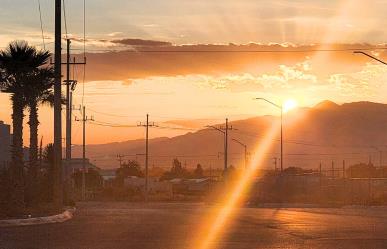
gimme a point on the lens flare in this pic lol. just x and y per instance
(218, 221)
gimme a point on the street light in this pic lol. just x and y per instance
(281, 108)
(370, 56)
(225, 144)
(245, 146)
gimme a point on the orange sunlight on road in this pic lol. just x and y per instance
(220, 217)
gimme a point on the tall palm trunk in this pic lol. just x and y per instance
(33, 154)
(17, 163)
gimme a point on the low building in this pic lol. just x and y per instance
(108, 174)
(5, 144)
(154, 185)
(76, 164)
(191, 186)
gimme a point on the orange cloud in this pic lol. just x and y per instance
(158, 58)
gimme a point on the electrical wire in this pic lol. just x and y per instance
(84, 51)
(113, 115)
(238, 51)
(65, 18)
(41, 25)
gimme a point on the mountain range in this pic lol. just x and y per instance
(326, 133)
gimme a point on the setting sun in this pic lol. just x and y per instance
(289, 105)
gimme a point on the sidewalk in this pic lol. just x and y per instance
(58, 218)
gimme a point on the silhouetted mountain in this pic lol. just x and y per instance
(325, 133)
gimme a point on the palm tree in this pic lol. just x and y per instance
(39, 91)
(18, 62)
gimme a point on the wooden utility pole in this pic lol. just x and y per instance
(58, 184)
(343, 168)
(147, 125)
(275, 163)
(70, 87)
(226, 129)
(84, 120)
(119, 156)
(226, 146)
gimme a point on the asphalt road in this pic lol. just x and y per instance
(172, 226)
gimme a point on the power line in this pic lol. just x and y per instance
(114, 115)
(84, 51)
(65, 18)
(251, 134)
(107, 124)
(41, 25)
(176, 128)
(238, 51)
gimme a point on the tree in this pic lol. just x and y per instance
(93, 179)
(46, 178)
(17, 63)
(130, 168)
(177, 171)
(40, 91)
(23, 76)
(198, 172)
(362, 170)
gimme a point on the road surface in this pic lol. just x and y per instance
(172, 226)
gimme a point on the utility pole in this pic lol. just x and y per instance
(224, 130)
(58, 186)
(275, 163)
(84, 120)
(119, 156)
(333, 170)
(70, 87)
(41, 152)
(282, 141)
(343, 168)
(226, 146)
(146, 125)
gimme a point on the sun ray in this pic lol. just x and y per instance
(219, 219)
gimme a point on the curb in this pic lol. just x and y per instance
(58, 218)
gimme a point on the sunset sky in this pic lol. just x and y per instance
(182, 83)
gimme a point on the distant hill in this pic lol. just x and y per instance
(325, 133)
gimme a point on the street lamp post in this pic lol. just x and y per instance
(225, 148)
(245, 147)
(370, 56)
(281, 109)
